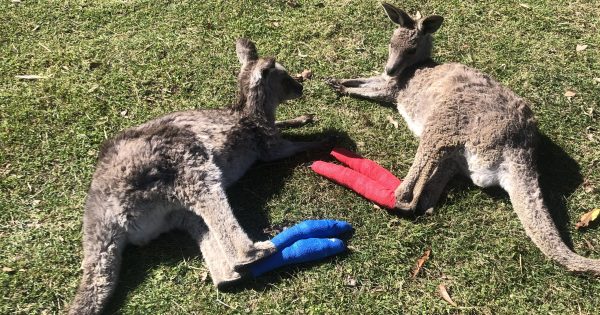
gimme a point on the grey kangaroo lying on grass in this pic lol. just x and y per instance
(467, 123)
(170, 171)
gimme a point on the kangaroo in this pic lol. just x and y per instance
(467, 123)
(172, 172)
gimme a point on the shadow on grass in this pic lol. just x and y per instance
(248, 198)
(560, 176)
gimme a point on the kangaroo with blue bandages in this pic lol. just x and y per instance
(172, 172)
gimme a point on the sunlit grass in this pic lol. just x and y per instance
(108, 65)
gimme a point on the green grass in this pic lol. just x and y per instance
(154, 57)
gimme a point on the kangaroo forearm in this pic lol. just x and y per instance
(360, 82)
(371, 93)
(297, 122)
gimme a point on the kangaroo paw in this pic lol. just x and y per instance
(404, 199)
(307, 118)
(336, 85)
(258, 251)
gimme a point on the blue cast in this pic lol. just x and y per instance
(310, 229)
(306, 241)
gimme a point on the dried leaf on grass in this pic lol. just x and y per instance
(569, 93)
(587, 217)
(588, 186)
(420, 263)
(292, 3)
(350, 282)
(93, 88)
(7, 269)
(301, 54)
(581, 47)
(445, 295)
(305, 75)
(204, 276)
(392, 121)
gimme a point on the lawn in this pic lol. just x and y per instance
(108, 65)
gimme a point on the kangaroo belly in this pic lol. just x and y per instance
(482, 173)
(148, 225)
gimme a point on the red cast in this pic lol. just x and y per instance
(363, 176)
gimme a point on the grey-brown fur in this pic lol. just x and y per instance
(171, 171)
(467, 123)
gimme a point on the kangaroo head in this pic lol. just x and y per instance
(262, 82)
(411, 42)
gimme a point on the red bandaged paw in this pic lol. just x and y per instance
(364, 176)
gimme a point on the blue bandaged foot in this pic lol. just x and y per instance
(310, 229)
(306, 241)
(303, 250)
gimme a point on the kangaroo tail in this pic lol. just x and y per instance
(522, 184)
(103, 246)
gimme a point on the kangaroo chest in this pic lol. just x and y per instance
(236, 155)
(415, 125)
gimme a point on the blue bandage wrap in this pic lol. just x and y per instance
(306, 241)
(301, 251)
(310, 229)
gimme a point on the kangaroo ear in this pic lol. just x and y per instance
(398, 16)
(261, 69)
(245, 50)
(430, 24)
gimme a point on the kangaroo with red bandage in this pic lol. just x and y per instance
(467, 123)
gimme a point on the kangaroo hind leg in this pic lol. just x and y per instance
(208, 200)
(434, 188)
(221, 272)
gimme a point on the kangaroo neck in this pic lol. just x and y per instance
(409, 73)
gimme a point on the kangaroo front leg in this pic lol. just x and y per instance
(408, 193)
(427, 160)
(286, 148)
(221, 272)
(376, 88)
(358, 82)
(206, 197)
(371, 94)
(297, 122)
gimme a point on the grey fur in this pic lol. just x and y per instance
(467, 123)
(171, 171)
